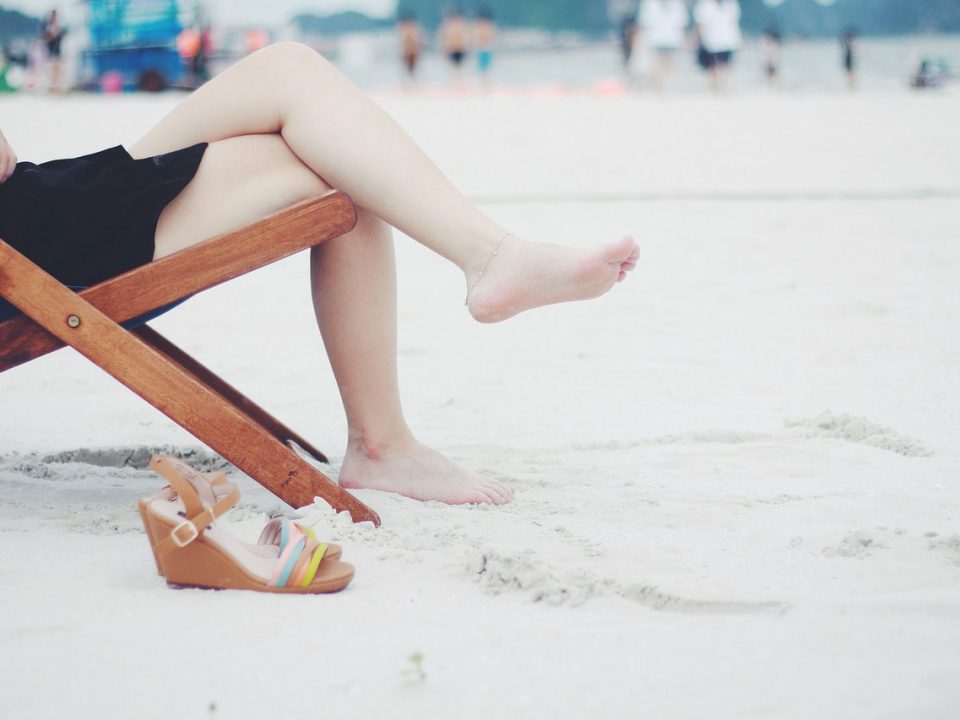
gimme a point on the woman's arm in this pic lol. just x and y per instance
(8, 159)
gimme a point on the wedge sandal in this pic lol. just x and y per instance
(191, 550)
(223, 491)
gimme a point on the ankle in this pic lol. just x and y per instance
(476, 248)
(375, 445)
(479, 269)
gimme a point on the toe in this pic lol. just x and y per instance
(501, 493)
(619, 251)
(478, 497)
(498, 497)
(493, 495)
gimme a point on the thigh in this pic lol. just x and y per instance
(240, 179)
(248, 98)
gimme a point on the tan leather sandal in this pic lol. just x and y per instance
(223, 491)
(192, 551)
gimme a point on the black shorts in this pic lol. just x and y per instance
(457, 56)
(717, 59)
(89, 218)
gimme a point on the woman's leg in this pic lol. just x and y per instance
(355, 299)
(354, 286)
(345, 138)
(240, 180)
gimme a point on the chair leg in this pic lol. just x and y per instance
(225, 390)
(169, 388)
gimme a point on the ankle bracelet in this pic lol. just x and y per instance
(496, 249)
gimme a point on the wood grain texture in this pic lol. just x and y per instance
(192, 270)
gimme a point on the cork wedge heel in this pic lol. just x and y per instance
(192, 550)
(222, 488)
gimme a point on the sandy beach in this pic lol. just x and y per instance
(736, 475)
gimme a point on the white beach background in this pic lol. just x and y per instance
(737, 475)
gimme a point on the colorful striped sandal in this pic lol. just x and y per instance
(224, 496)
(191, 550)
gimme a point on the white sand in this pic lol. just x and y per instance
(736, 475)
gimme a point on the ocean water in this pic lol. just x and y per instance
(884, 64)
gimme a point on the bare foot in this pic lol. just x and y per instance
(524, 275)
(414, 470)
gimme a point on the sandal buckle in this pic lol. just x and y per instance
(177, 540)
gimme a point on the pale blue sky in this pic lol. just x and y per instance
(239, 11)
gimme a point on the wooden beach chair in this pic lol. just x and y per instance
(90, 321)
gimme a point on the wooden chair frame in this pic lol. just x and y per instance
(165, 376)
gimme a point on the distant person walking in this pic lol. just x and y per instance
(628, 40)
(201, 61)
(52, 36)
(195, 47)
(848, 50)
(718, 22)
(484, 38)
(664, 25)
(454, 38)
(5, 64)
(770, 55)
(411, 42)
(36, 58)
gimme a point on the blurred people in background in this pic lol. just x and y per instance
(255, 39)
(195, 47)
(454, 37)
(484, 36)
(770, 55)
(932, 73)
(628, 40)
(663, 24)
(718, 22)
(5, 64)
(411, 42)
(201, 61)
(848, 52)
(36, 56)
(200, 67)
(189, 45)
(52, 35)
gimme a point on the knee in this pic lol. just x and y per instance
(370, 225)
(284, 68)
(292, 56)
(270, 173)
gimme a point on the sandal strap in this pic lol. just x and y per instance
(193, 487)
(199, 513)
(315, 551)
(273, 532)
(218, 481)
(288, 557)
(279, 531)
(298, 561)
